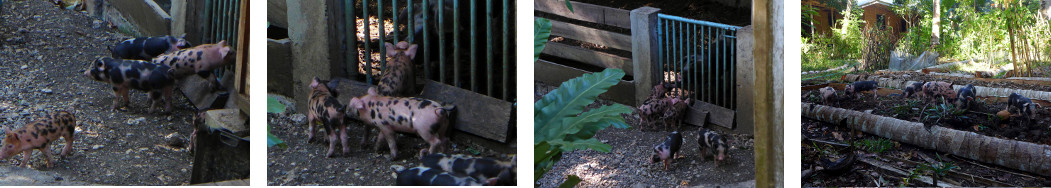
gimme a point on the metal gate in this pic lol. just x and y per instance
(222, 17)
(699, 57)
(459, 45)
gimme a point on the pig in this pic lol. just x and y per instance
(134, 74)
(326, 109)
(398, 79)
(936, 89)
(965, 97)
(427, 118)
(1024, 105)
(146, 48)
(859, 86)
(476, 167)
(666, 150)
(676, 109)
(38, 135)
(711, 143)
(828, 95)
(913, 89)
(200, 60)
(656, 104)
(424, 176)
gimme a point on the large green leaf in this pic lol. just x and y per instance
(544, 157)
(541, 32)
(568, 100)
(591, 143)
(570, 182)
(272, 140)
(273, 105)
(594, 120)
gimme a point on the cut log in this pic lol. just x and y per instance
(1014, 154)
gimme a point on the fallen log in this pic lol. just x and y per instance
(982, 91)
(1025, 156)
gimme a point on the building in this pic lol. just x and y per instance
(876, 14)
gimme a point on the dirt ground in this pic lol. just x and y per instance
(305, 163)
(979, 119)
(43, 53)
(628, 163)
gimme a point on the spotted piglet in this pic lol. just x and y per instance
(477, 167)
(424, 176)
(712, 144)
(913, 89)
(965, 97)
(125, 75)
(426, 118)
(1024, 105)
(666, 150)
(146, 48)
(325, 108)
(398, 79)
(937, 89)
(38, 135)
(859, 86)
(200, 60)
(828, 95)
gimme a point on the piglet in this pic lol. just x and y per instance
(828, 95)
(398, 79)
(936, 89)
(913, 89)
(859, 86)
(711, 143)
(666, 150)
(476, 167)
(200, 60)
(424, 176)
(965, 96)
(146, 48)
(326, 109)
(426, 118)
(134, 74)
(1024, 105)
(38, 135)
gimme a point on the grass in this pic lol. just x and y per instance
(822, 65)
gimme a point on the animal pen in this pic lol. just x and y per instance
(700, 57)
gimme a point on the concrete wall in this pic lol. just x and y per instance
(745, 81)
(309, 46)
(279, 67)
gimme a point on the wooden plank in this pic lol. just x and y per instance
(469, 106)
(241, 75)
(590, 57)
(586, 12)
(697, 113)
(477, 114)
(591, 35)
(554, 74)
(146, 15)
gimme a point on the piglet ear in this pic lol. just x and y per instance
(372, 91)
(314, 83)
(222, 43)
(356, 103)
(391, 50)
(411, 51)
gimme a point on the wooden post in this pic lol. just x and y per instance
(644, 50)
(769, 92)
(241, 76)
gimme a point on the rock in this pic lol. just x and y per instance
(298, 118)
(96, 147)
(174, 140)
(47, 91)
(96, 24)
(135, 121)
(24, 67)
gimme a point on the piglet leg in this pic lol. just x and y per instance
(46, 150)
(25, 158)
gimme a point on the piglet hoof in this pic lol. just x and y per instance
(330, 154)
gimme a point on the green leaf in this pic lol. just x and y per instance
(541, 32)
(273, 105)
(591, 143)
(544, 157)
(272, 140)
(568, 100)
(569, 5)
(570, 182)
(585, 125)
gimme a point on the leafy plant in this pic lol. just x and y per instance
(941, 111)
(541, 32)
(274, 106)
(937, 169)
(560, 123)
(876, 146)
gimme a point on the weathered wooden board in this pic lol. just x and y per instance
(555, 74)
(591, 35)
(590, 57)
(702, 112)
(146, 15)
(476, 114)
(586, 12)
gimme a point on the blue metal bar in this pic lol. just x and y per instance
(506, 36)
(456, 43)
(368, 50)
(699, 22)
(489, 46)
(441, 41)
(410, 22)
(426, 36)
(394, 20)
(474, 44)
(351, 36)
(383, 37)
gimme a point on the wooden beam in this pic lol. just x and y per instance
(241, 73)
(147, 16)
(590, 57)
(768, 23)
(476, 114)
(586, 12)
(701, 112)
(591, 35)
(554, 74)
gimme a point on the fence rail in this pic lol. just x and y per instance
(699, 56)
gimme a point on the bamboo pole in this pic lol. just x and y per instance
(1014, 154)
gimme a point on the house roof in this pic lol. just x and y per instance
(865, 3)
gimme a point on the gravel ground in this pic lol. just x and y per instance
(43, 53)
(628, 163)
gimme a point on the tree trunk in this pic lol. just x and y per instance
(936, 32)
(1014, 154)
(850, 7)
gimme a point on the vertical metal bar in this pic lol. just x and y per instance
(733, 73)
(506, 53)
(456, 43)
(679, 51)
(368, 35)
(664, 48)
(693, 61)
(207, 11)
(707, 65)
(382, 30)
(474, 44)
(489, 46)
(441, 40)
(426, 36)
(394, 19)
(719, 64)
(351, 35)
